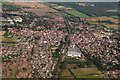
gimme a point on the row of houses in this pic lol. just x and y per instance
(13, 18)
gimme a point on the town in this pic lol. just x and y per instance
(56, 43)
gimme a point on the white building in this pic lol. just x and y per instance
(73, 51)
(9, 19)
(2, 19)
(17, 18)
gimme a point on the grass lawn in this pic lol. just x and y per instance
(76, 13)
(86, 72)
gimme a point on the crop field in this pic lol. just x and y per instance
(40, 12)
(1, 33)
(81, 73)
(86, 72)
(66, 73)
(9, 40)
(103, 18)
(112, 10)
(115, 17)
(112, 26)
(76, 13)
(29, 4)
(71, 65)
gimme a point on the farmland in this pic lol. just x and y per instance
(80, 69)
(36, 8)
(108, 22)
(29, 4)
(66, 74)
(68, 10)
(86, 72)
(81, 73)
(98, 10)
(76, 13)
(115, 17)
(40, 12)
(112, 10)
(1, 33)
(9, 40)
(67, 41)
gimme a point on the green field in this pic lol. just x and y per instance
(81, 73)
(76, 13)
(86, 72)
(115, 17)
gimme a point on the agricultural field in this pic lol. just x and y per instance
(66, 74)
(34, 7)
(1, 33)
(115, 17)
(41, 11)
(86, 72)
(29, 4)
(70, 66)
(61, 7)
(108, 22)
(112, 10)
(76, 13)
(111, 26)
(103, 18)
(9, 40)
(81, 73)
(79, 69)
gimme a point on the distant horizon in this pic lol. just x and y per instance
(64, 0)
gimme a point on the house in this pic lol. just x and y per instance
(17, 18)
(2, 19)
(9, 19)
